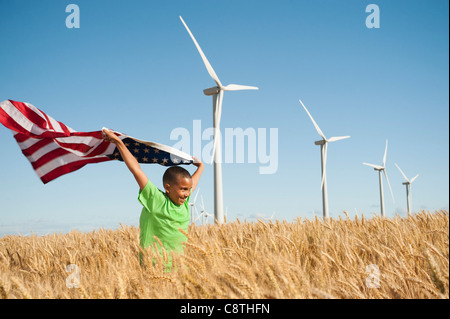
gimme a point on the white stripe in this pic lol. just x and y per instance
(20, 119)
(55, 163)
(90, 141)
(28, 142)
(52, 146)
(56, 125)
(42, 151)
(60, 161)
(28, 125)
(36, 110)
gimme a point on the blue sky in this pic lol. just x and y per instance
(132, 66)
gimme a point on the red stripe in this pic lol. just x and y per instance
(68, 168)
(60, 152)
(96, 134)
(100, 149)
(8, 122)
(20, 137)
(27, 112)
(83, 148)
(94, 150)
(36, 146)
(49, 157)
(65, 128)
(30, 114)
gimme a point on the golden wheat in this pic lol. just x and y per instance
(301, 259)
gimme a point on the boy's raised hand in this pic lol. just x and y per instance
(196, 162)
(109, 136)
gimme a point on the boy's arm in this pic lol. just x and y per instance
(197, 174)
(127, 157)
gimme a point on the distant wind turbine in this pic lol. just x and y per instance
(382, 169)
(408, 188)
(217, 93)
(203, 213)
(323, 151)
(192, 204)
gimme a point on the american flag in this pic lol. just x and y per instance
(55, 149)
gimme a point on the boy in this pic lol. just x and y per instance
(163, 214)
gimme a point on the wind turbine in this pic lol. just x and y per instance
(192, 204)
(271, 217)
(382, 169)
(202, 212)
(323, 151)
(217, 93)
(408, 188)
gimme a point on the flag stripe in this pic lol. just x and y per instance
(38, 145)
(32, 114)
(50, 155)
(8, 121)
(21, 137)
(68, 168)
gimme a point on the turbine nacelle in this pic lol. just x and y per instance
(231, 87)
(375, 167)
(212, 91)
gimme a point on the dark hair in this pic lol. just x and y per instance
(172, 173)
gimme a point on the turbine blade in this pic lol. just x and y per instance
(314, 122)
(203, 204)
(414, 178)
(195, 198)
(196, 212)
(338, 138)
(389, 184)
(374, 166)
(237, 87)
(402, 173)
(205, 60)
(385, 153)
(198, 216)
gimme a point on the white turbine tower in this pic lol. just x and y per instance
(408, 188)
(382, 169)
(323, 151)
(217, 94)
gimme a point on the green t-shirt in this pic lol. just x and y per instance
(162, 218)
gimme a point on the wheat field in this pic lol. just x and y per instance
(359, 258)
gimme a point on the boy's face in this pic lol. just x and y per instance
(179, 191)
